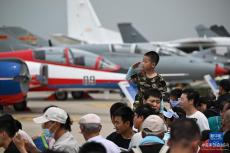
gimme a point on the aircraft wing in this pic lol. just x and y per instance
(65, 40)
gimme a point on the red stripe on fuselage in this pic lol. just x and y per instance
(53, 81)
(12, 99)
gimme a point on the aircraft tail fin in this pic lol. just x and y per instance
(129, 34)
(203, 31)
(83, 24)
(220, 30)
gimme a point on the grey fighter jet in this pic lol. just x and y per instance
(174, 65)
(215, 55)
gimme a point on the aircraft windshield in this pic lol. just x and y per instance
(51, 55)
(90, 60)
(106, 64)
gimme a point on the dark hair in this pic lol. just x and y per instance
(92, 147)
(18, 124)
(68, 123)
(152, 92)
(114, 107)
(125, 113)
(52, 151)
(225, 84)
(145, 110)
(192, 95)
(205, 135)
(8, 124)
(176, 93)
(153, 56)
(185, 131)
(206, 100)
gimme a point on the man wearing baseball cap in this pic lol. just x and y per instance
(90, 126)
(58, 124)
(153, 129)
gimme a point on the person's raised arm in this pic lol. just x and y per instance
(132, 70)
(23, 145)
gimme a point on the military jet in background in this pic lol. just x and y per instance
(174, 65)
(188, 45)
(84, 20)
(74, 58)
(83, 24)
(213, 31)
(63, 70)
(215, 55)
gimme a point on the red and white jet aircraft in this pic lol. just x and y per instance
(67, 70)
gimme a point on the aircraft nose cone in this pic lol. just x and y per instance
(221, 71)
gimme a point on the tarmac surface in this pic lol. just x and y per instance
(100, 104)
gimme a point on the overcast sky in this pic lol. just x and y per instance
(158, 20)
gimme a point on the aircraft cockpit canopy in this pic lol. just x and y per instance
(90, 60)
(56, 55)
(75, 57)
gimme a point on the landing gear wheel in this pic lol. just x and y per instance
(61, 95)
(21, 106)
(77, 94)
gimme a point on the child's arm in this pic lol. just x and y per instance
(132, 71)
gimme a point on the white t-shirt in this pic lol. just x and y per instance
(136, 139)
(109, 145)
(66, 143)
(25, 136)
(202, 121)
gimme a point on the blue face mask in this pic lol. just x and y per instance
(47, 133)
(175, 103)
